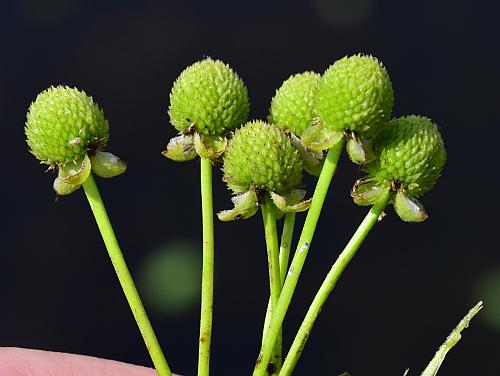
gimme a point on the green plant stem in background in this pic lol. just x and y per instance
(299, 257)
(273, 261)
(451, 340)
(207, 275)
(329, 283)
(124, 277)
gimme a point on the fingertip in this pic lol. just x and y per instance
(26, 362)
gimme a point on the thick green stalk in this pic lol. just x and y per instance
(329, 283)
(299, 257)
(207, 275)
(124, 277)
(271, 233)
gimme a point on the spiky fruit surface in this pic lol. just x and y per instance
(62, 124)
(261, 157)
(355, 94)
(410, 152)
(291, 107)
(210, 95)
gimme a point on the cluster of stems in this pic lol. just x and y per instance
(283, 277)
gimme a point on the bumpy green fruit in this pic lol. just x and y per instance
(410, 153)
(355, 94)
(64, 123)
(261, 157)
(210, 96)
(291, 107)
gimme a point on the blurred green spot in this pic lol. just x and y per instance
(170, 278)
(487, 288)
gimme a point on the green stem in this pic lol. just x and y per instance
(285, 245)
(299, 257)
(207, 276)
(451, 340)
(273, 261)
(329, 283)
(124, 276)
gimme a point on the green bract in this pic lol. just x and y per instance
(261, 157)
(63, 124)
(411, 154)
(291, 107)
(210, 97)
(355, 94)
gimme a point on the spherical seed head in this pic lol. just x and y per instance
(261, 157)
(411, 153)
(62, 124)
(355, 94)
(291, 107)
(210, 96)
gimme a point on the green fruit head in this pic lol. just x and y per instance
(261, 157)
(355, 94)
(291, 107)
(63, 124)
(210, 96)
(411, 155)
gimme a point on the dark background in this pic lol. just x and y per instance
(404, 291)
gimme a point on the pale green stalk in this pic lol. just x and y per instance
(299, 258)
(207, 275)
(285, 245)
(452, 340)
(124, 277)
(329, 283)
(269, 219)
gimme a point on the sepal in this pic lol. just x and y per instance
(245, 205)
(75, 172)
(290, 203)
(62, 188)
(318, 137)
(409, 209)
(355, 151)
(180, 148)
(367, 192)
(359, 150)
(316, 169)
(295, 201)
(312, 161)
(279, 201)
(107, 165)
(210, 146)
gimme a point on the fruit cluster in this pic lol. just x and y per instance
(310, 113)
